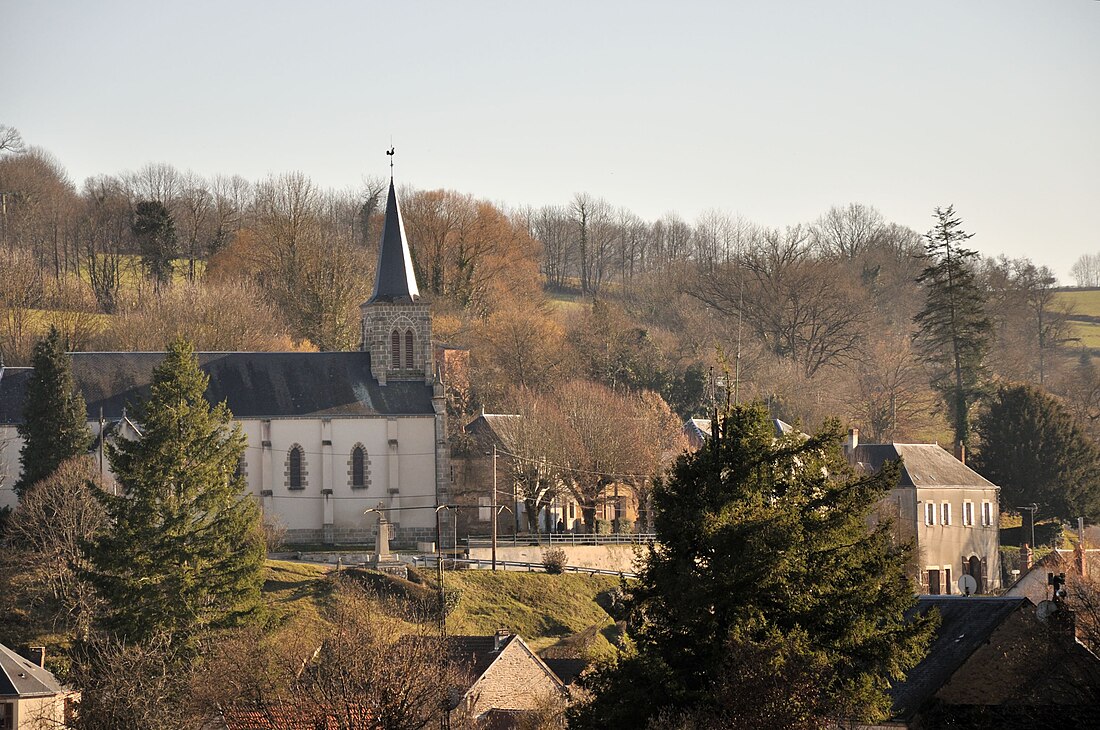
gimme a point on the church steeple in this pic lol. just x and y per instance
(394, 280)
(397, 323)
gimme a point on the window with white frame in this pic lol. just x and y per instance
(945, 513)
(968, 513)
(929, 513)
(987, 513)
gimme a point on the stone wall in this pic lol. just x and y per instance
(603, 557)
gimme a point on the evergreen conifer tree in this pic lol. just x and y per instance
(954, 330)
(185, 552)
(55, 419)
(1036, 452)
(768, 600)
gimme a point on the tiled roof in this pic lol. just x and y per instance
(966, 623)
(925, 465)
(254, 384)
(20, 677)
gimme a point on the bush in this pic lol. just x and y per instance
(554, 561)
(623, 526)
(603, 527)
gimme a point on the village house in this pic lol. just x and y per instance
(947, 509)
(30, 696)
(330, 434)
(507, 681)
(998, 662)
(472, 470)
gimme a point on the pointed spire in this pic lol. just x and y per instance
(394, 279)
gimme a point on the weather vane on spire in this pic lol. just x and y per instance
(390, 153)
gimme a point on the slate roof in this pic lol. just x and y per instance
(476, 653)
(567, 669)
(254, 384)
(394, 279)
(925, 465)
(20, 677)
(966, 623)
(702, 427)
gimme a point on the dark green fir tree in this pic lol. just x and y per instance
(185, 552)
(1037, 453)
(953, 329)
(769, 600)
(55, 419)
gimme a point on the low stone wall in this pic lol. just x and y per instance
(402, 537)
(604, 557)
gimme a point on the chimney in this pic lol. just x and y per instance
(37, 654)
(960, 451)
(853, 440)
(500, 639)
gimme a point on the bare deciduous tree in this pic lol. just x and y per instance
(43, 547)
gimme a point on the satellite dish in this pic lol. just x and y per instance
(967, 585)
(1046, 609)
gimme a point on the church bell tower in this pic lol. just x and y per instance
(397, 325)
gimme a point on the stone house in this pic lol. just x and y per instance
(30, 696)
(507, 680)
(948, 510)
(994, 662)
(330, 434)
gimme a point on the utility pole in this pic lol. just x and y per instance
(493, 507)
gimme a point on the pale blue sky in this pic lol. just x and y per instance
(770, 110)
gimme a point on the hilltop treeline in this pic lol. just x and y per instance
(815, 318)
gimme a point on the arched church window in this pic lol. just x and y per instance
(395, 349)
(358, 467)
(409, 361)
(295, 468)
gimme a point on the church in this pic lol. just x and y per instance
(331, 435)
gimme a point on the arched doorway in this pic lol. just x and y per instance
(974, 568)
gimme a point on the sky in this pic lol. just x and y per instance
(773, 111)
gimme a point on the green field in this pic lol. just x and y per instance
(1079, 301)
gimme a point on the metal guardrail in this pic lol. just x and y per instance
(481, 564)
(561, 538)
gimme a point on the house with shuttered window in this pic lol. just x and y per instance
(946, 508)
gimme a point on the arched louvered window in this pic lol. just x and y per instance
(409, 361)
(294, 467)
(395, 349)
(358, 467)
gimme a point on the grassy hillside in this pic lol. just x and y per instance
(546, 610)
(1084, 308)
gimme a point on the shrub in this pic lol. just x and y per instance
(623, 526)
(603, 527)
(554, 561)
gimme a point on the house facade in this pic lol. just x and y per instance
(507, 681)
(472, 485)
(330, 435)
(31, 698)
(948, 510)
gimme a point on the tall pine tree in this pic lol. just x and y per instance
(768, 600)
(55, 419)
(954, 331)
(185, 552)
